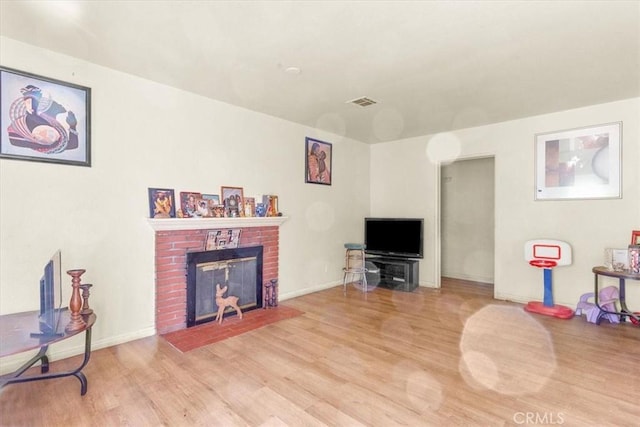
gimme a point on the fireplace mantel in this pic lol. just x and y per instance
(165, 224)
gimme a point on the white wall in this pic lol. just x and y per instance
(409, 186)
(148, 135)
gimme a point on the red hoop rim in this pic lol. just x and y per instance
(543, 263)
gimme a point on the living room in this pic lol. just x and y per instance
(146, 134)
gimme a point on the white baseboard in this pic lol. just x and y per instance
(305, 291)
(462, 276)
(11, 363)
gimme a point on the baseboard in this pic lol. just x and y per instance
(310, 290)
(11, 363)
(462, 276)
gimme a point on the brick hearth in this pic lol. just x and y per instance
(171, 247)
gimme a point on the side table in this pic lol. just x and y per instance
(621, 276)
(15, 330)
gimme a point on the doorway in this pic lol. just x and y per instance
(467, 220)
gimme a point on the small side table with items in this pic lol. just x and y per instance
(622, 276)
(20, 332)
(15, 331)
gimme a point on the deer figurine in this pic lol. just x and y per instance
(223, 303)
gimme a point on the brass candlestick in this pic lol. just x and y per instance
(75, 304)
(85, 298)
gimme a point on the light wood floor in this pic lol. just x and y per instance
(432, 357)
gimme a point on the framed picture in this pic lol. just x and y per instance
(223, 239)
(233, 201)
(318, 156)
(161, 203)
(635, 237)
(212, 201)
(189, 207)
(579, 163)
(270, 202)
(616, 259)
(43, 119)
(249, 206)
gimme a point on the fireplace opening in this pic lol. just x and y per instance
(240, 269)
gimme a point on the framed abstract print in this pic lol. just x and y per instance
(44, 120)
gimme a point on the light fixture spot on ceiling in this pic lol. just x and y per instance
(362, 101)
(292, 70)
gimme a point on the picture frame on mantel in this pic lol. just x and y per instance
(318, 161)
(162, 203)
(582, 163)
(233, 201)
(44, 119)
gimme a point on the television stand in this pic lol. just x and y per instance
(397, 273)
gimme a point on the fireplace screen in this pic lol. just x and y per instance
(240, 269)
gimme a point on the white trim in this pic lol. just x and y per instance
(165, 224)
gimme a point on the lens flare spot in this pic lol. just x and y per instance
(443, 148)
(497, 356)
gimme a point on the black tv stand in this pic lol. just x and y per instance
(397, 273)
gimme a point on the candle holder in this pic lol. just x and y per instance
(76, 321)
(85, 298)
(271, 294)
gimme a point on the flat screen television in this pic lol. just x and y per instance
(50, 297)
(394, 237)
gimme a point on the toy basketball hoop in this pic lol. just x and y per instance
(547, 254)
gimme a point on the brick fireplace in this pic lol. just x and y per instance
(175, 237)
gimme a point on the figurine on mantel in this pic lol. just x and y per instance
(222, 303)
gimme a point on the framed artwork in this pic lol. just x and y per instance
(318, 157)
(579, 163)
(233, 201)
(211, 201)
(635, 237)
(270, 202)
(223, 239)
(249, 206)
(620, 259)
(189, 205)
(43, 119)
(616, 259)
(161, 203)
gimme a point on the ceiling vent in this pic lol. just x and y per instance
(362, 101)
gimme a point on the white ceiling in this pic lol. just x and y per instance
(432, 66)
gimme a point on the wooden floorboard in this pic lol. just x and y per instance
(449, 356)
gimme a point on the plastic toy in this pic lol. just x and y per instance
(547, 254)
(607, 298)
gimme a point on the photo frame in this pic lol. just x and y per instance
(213, 204)
(583, 163)
(162, 203)
(43, 119)
(318, 161)
(249, 206)
(635, 237)
(616, 259)
(233, 201)
(189, 205)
